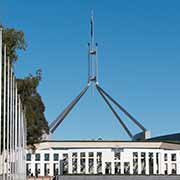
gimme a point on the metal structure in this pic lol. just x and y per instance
(12, 122)
(93, 81)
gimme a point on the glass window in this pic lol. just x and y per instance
(117, 155)
(126, 168)
(165, 157)
(56, 157)
(74, 155)
(173, 157)
(28, 157)
(37, 157)
(37, 169)
(82, 154)
(174, 168)
(91, 154)
(46, 157)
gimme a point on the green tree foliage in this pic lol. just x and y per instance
(32, 102)
(14, 41)
(37, 125)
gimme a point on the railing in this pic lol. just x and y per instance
(12, 122)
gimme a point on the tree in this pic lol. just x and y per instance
(14, 41)
(37, 125)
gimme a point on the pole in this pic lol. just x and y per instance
(13, 82)
(89, 63)
(8, 116)
(11, 120)
(96, 68)
(16, 113)
(1, 163)
(4, 116)
(115, 113)
(19, 137)
(123, 110)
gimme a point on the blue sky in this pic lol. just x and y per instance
(139, 59)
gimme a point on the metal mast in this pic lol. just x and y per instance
(93, 80)
(92, 55)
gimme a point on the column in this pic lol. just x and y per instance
(122, 167)
(161, 163)
(131, 163)
(103, 164)
(51, 163)
(139, 163)
(147, 162)
(178, 162)
(154, 163)
(95, 162)
(33, 164)
(41, 164)
(112, 167)
(169, 163)
(70, 162)
(78, 163)
(87, 163)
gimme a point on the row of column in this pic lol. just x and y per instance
(12, 122)
(149, 163)
(70, 164)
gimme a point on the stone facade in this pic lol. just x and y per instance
(119, 158)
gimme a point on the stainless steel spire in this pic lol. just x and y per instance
(92, 54)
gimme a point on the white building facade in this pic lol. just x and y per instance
(103, 157)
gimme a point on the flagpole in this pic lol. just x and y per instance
(4, 116)
(1, 163)
(8, 115)
(19, 135)
(11, 119)
(16, 113)
(13, 81)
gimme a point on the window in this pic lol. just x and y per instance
(99, 162)
(173, 157)
(28, 169)
(126, 168)
(166, 169)
(37, 169)
(108, 168)
(46, 169)
(65, 163)
(91, 154)
(46, 157)
(82, 154)
(74, 155)
(117, 155)
(37, 157)
(56, 157)
(174, 168)
(55, 169)
(135, 162)
(165, 157)
(117, 166)
(74, 163)
(28, 157)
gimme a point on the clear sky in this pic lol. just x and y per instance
(139, 59)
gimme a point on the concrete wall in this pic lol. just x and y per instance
(118, 178)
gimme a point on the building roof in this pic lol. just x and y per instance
(95, 144)
(169, 137)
